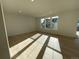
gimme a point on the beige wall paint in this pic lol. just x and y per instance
(67, 24)
(17, 23)
(4, 48)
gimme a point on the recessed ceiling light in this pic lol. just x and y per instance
(32, 0)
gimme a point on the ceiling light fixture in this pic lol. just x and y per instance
(32, 0)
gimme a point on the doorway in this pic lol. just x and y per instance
(77, 31)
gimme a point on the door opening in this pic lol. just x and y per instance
(77, 31)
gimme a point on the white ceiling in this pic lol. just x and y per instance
(40, 8)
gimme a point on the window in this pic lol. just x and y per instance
(50, 23)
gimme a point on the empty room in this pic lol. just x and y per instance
(39, 29)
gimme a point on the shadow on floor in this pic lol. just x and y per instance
(69, 48)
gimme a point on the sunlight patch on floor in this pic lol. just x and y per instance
(36, 35)
(51, 54)
(33, 51)
(15, 49)
(54, 43)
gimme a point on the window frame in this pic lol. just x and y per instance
(50, 23)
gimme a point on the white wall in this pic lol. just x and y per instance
(66, 25)
(17, 24)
